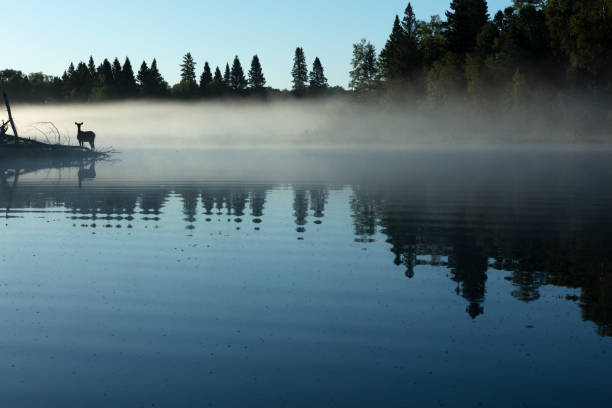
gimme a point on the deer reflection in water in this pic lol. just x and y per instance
(86, 173)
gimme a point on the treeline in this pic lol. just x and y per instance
(551, 53)
(115, 81)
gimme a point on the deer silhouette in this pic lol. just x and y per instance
(85, 136)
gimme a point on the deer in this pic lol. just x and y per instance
(85, 136)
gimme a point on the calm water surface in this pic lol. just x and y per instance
(308, 278)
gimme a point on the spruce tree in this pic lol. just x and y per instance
(82, 82)
(116, 71)
(256, 77)
(401, 56)
(226, 75)
(159, 87)
(464, 22)
(91, 66)
(299, 71)
(238, 82)
(188, 73)
(127, 81)
(144, 79)
(206, 77)
(71, 70)
(317, 76)
(389, 55)
(105, 75)
(218, 78)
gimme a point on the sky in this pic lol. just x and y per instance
(46, 35)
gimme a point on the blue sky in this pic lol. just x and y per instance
(47, 35)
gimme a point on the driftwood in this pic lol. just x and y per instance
(8, 109)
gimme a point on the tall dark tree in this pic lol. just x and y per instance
(299, 71)
(92, 67)
(206, 77)
(464, 22)
(227, 75)
(82, 82)
(71, 70)
(256, 77)
(317, 76)
(188, 73)
(116, 71)
(105, 74)
(144, 79)
(401, 58)
(238, 82)
(158, 84)
(127, 81)
(389, 57)
(218, 76)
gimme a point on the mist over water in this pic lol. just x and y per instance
(287, 123)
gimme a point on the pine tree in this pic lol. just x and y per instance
(188, 73)
(317, 76)
(116, 71)
(401, 57)
(237, 80)
(464, 23)
(389, 55)
(256, 77)
(91, 66)
(218, 77)
(105, 74)
(127, 81)
(299, 71)
(82, 82)
(158, 84)
(206, 77)
(226, 75)
(71, 70)
(144, 79)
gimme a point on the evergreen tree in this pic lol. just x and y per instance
(188, 73)
(116, 71)
(105, 73)
(238, 82)
(389, 55)
(82, 82)
(299, 71)
(144, 79)
(71, 70)
(159, 87)
(206, 77)
(365, 70)
(127, 81)
(91, 66)
(401, 57)
(218, 77)
(217, 86)
(464, 22)
(256, 77)
(226, 75)
(317, 76)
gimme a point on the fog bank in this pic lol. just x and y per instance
(288, 123)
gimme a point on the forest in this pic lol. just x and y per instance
(540, 59)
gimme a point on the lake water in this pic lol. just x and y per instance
(306, 278)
